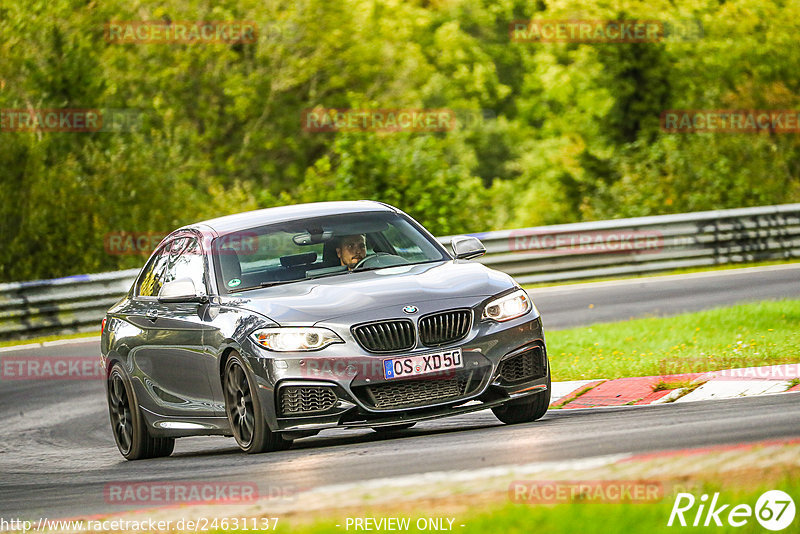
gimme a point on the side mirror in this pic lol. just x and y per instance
(181, 290)
(467, 247)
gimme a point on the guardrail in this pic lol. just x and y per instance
(532, 255)
(644, 244)
(60, 306)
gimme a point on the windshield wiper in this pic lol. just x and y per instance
(325, 275)
(277, 283)
(262, 285)
(272, 283)
(364, 269)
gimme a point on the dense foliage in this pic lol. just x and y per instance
(557, 132)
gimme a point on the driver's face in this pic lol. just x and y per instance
(352, 250)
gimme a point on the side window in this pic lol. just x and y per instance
(152, 276)
(186, 261)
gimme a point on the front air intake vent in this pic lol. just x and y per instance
(298, 400)
(525, 366)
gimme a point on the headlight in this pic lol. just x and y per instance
(508, 307)
(295, 339)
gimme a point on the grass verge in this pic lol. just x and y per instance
(571, 517)
(589, 518)
(746, 335)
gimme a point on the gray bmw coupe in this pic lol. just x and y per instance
(272, 325)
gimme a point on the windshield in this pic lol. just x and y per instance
(324, 246)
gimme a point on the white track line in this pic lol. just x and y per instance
(54, 343)
(664, 278)
(76, 341)
(21, 347)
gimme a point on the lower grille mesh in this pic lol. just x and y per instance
(306, 399)
(410, 393)
(525, 366)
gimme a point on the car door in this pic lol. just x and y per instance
(140, 312)
(174, 360)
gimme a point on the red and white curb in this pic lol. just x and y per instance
(688, 387)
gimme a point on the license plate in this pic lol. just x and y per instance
(423, 364)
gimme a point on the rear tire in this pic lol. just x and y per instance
(127, 424)
(524, 410)
(244, 410)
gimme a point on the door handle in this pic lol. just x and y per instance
(152, 314)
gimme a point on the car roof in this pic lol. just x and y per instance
(251, 219)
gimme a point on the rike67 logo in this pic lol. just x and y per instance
(774, 510)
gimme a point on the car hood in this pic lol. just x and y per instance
(325, 299)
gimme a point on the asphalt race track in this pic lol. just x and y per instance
(57, 452)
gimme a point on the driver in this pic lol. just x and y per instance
(351, 250)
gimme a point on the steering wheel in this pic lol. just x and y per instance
(375, 261)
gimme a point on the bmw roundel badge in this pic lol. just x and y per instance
(410, 309)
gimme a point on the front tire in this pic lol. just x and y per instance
(244, 410)
(524, 410)
(130, 431)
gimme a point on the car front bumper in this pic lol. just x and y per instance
(356, 377)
